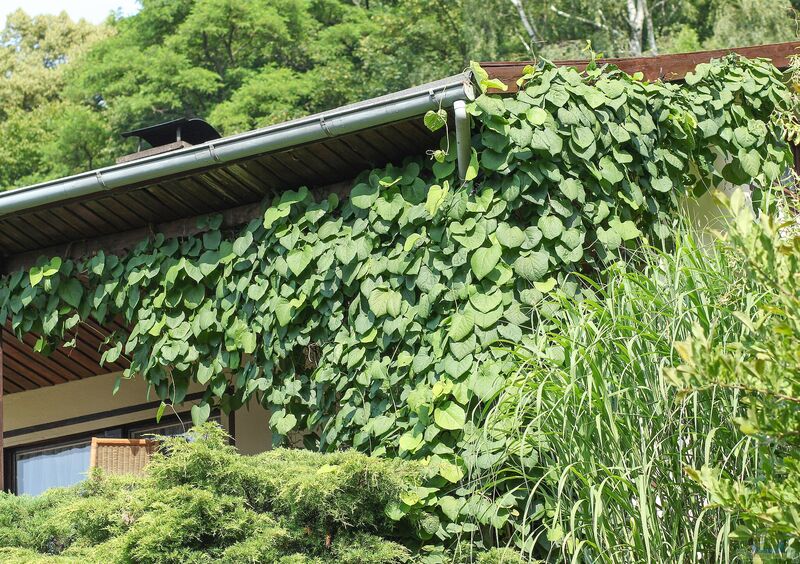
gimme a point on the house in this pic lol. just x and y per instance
(53, 405)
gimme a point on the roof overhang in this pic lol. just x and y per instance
(317, 150)
(115, 207)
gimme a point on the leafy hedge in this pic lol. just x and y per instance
(370, 322)
(203, 502)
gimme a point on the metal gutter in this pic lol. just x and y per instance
(347, 119)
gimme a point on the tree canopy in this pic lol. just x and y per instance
(69, 88)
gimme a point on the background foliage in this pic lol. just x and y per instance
(69, 89)
(762, 366)
(370, 323)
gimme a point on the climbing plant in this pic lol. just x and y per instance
(371, 322)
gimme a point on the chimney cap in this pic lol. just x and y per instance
(190, 130)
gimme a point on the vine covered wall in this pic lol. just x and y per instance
(374, 322)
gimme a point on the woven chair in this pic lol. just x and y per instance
(121, 456)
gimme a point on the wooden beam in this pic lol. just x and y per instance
(667, 67)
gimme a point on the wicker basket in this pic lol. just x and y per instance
(121, 456)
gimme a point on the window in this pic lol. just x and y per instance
(64, 462)
(38, 469)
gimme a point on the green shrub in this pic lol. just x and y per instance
(187, 524)
(201, 502)
(343, 488)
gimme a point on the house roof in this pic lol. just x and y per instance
(117, 206)
(672, 67)
(221, 174)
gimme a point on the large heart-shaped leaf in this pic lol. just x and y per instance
(534, 266)
(299, 259)
(363, 195)
(200, 413)
(484, 260)
(461, 325)
(450, 416)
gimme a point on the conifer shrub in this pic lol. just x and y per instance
(202, 502)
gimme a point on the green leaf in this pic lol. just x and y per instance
(475, 239)
(204, 372)
(610, 171)
(411, 441)
(451, 507)
(709, 128)
(283, 311)
(383, 302)
(52, 267)
(583, 137)
(242, 244)
(493, 160)
(436, 197)
(382, 424)
(299, 259)
(435, 120)
(71, 291)
(160, 413)
(200, 413)
(274, 214)
(484, 260)
(450, 416)
(283, 422)
(472, 168)
(551, 226)
(533, 267)
(661, 184)
(446, 168)
(609, 237)
(537, 116)
(486, 302)
(545, 286)
(461, 325)
(495, 83)
(363, 195)
(510, 236)
(478, 72)
(572, 189)
(36, 275)
(627, 230)
(751, 162)
(394, 511)
(450, 472)
(211, 239)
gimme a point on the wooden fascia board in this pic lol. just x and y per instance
(665, 67)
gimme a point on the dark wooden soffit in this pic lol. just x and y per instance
(24, 369)
(666, 67)
(123, 241)
(211, 190)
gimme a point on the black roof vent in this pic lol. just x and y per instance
(169, 136)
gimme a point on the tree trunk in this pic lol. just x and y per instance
(651, 32)
(636, 11)
(526, 23)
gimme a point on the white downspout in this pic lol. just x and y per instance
(463, 137)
